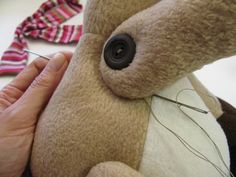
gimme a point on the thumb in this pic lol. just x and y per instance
(39, 92)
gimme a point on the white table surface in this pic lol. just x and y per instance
(219, 77)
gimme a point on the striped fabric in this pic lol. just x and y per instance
(43, 24)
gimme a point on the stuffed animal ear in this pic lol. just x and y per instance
(165, 42)
(103, 16)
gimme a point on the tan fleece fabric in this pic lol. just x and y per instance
(113, 169)
(173, 38)
(103, 16)
(209, 99)
(85, 123)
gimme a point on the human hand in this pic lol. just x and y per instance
(21, 103)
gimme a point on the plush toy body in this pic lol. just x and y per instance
(100, 112)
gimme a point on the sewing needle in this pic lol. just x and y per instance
(29, 51)
(182, 104)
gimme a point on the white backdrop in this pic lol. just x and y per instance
(218, 77)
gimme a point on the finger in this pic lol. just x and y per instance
(26, 77)
(39, 92)
(14, 90)
(16, 87)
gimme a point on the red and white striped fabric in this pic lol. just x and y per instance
(43, 24)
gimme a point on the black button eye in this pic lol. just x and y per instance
(119, 51)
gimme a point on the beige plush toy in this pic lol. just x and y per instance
(103, 120)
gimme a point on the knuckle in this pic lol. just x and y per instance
(8, 116)
(3, 94)
(4, 104)
(39, 63)
(4, 100)
(8, 94)
(43, 80)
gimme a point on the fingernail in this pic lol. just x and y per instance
(57, 62)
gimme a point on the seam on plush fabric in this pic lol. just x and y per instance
(149, 100)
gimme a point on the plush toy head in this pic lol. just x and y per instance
(129, 51)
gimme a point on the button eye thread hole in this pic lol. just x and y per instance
(119, 51)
